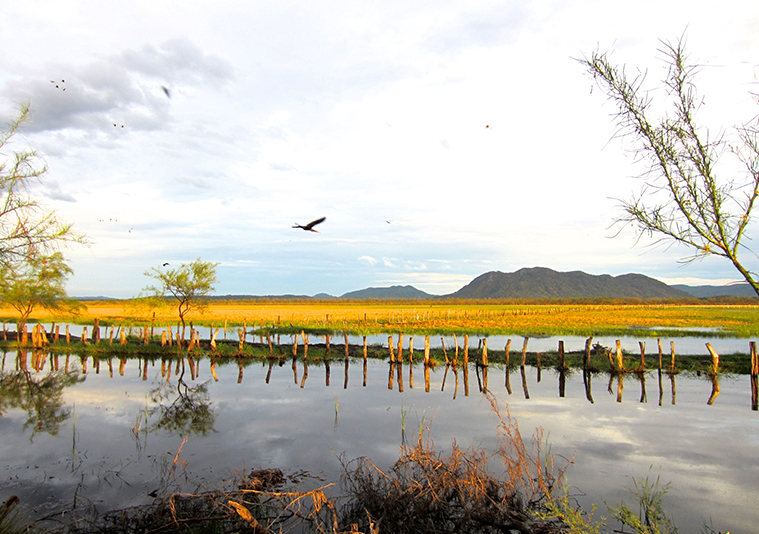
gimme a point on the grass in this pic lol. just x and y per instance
(641, 318)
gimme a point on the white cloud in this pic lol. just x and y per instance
(370, 115)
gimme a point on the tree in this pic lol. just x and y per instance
(26, 228)
(683, 200)
(185, 284)
(37, 282)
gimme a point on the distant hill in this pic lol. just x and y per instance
(541, 282)
(733, 290)
(393, 292)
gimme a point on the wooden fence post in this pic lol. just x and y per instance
(484, 362)
(715, 358)
(620, 360)
(658, 343)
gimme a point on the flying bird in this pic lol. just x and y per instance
(166, 90)
(310, 226)
(165, 264)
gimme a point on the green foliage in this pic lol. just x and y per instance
(37, 281)
(651, 518)
(571, 519)
(26, 229)
(185, 284)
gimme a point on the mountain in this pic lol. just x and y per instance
(733, 290)
(393, 292)
(543, 283)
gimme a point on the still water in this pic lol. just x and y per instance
(111, 438)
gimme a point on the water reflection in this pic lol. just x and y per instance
(190, 411)
(39, 395)
(267, 413)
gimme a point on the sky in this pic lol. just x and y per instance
(441, 140)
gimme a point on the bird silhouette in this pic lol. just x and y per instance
(165, 264)
(310, 226)
(166, 90)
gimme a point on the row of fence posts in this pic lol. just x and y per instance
(40, 339)
(396, 368)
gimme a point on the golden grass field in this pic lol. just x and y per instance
(362, 316)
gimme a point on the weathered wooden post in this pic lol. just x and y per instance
(484, 362)
(620, 359)
(390, 348)
(658, 343)
(642, 345)
(192, 339)
(84, 335)
(507, 350)
(426, 350)
(366, 351)
(672, 349)
(466, 363)
(122, 336)
(57, 333)
(96, 331)
(411, 354)
(445, 352)
(400, 347)
(295, 345)
(588, 343)
(524, 352)
(715, 358)
(562, 362)
(754, 358)
(214, 333)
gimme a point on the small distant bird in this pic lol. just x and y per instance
(487, 126)
(165, 264)
(310, 226)
(166, 90)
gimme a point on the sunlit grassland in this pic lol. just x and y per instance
(367, 317)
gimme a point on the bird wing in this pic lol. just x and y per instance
(314, 223)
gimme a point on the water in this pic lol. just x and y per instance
(686, 345)
(112, 439)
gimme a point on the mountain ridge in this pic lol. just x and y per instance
(545, 283)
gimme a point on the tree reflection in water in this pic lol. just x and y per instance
(189, 413)
(40, 396)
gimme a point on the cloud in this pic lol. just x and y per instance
(53, 190)
(368, 260)
(119, 93)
